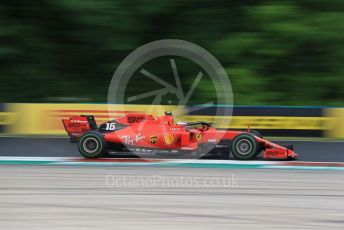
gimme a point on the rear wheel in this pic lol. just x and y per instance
(244, 147)
(92, 145)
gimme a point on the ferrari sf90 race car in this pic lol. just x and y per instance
(143, 133)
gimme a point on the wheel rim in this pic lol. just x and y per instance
(244, 147)
(90, 145)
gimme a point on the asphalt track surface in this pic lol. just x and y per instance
(35, 197)
(319, 151)
(38, 197)
(60, 197)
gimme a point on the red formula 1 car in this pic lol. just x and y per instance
(144, 133)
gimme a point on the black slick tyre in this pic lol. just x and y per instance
(256, 133)
(244, 147)
(92, 145)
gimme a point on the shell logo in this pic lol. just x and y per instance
(153, 139)
(169, 139)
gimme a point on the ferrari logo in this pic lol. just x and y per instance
(153, 139)
(199, 136)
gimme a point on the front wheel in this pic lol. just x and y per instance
(244, 147)
(256, 133)
(92, 145)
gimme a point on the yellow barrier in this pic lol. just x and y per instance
(7, 118)
(337, 129)
(46, 118)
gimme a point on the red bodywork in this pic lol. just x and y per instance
(146, 131)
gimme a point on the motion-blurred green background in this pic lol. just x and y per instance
(276, 52)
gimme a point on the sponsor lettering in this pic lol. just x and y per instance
(187, 148)
(132, 140)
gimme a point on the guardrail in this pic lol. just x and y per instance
(45, 119)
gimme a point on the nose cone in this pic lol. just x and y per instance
(292, 155)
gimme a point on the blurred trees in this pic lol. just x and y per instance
(276, 52)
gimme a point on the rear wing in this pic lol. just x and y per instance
(91, 121)
(76, 126)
